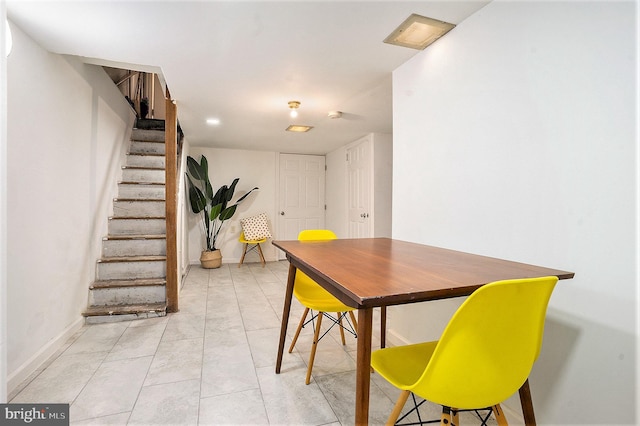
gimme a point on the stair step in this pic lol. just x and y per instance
(146, 147)
(131, 267)
(143, 174)
(146, 160)
(121, 292)
(114, 313)
(143, 282)
(147, 135)
(134, 237)
(137, 225)
(122, 247)
(150, 124)
(117, 259)
(133, 190)
(138, 208)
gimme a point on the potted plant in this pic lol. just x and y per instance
(212, 206)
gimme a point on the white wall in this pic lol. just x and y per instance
(254, 168)
(3, 207)
(68, 129)
(382, 184)
(336, 192)
(515, 137)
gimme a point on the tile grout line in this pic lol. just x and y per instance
(95, 371)
(255, 369)
(148, 368)
(204, 340)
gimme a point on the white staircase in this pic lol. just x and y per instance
(131, 275)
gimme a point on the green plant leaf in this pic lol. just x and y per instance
(246, 195)
(215, 211)
(196, 198)
(220, 197)
(228, 213)
(204, 167)
(231, 190)
(195, 169)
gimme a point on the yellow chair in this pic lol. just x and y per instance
(247, 243)
(313, 297)
(484, 355)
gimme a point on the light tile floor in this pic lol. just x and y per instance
(210, 363)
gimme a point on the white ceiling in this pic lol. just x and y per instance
(243, 61)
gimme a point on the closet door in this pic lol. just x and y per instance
(302, 191)
(360, 189)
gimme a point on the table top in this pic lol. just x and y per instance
(373, 272)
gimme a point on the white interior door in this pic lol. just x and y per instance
(359, 188)
(302, 188)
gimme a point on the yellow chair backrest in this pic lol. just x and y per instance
(305, 289)
(487, 350)
(316, 235)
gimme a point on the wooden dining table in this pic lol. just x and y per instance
(379, 272)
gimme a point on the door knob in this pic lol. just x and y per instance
(281, 213)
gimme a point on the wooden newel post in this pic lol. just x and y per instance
(171, 204)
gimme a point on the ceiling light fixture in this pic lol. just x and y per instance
(294, 105)
(418, 32)
(334, 114)
(297, 128)
(213, 121)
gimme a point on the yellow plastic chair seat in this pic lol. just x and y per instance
(313, 296)
(245, 241)
(402, 366)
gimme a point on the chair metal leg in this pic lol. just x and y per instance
(397, 409)
(314, 346)
(499, 415)
(295, 338)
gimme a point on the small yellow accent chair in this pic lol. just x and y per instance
(484, 355)
(251, 245)
(313, 297)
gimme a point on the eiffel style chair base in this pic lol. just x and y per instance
(449, 415)
(316, 334)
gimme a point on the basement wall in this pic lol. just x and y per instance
(515, 136)
(254, 168)
(68, 130)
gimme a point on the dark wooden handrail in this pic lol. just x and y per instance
(171, 204)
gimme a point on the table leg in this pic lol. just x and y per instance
(383, 327)
(285, 315)
(363, 365)
(527, 404)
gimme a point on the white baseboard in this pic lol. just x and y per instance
(514, 418)
(395, 339)
(14, 379)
